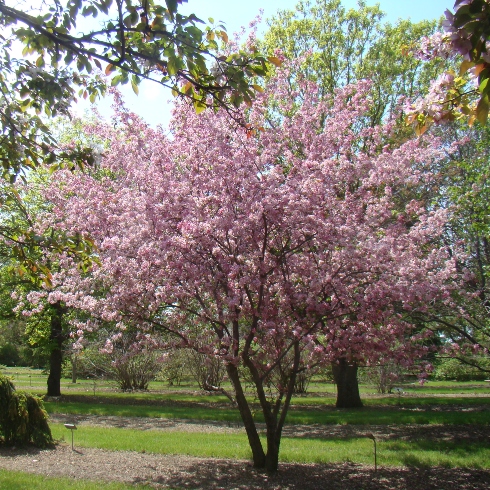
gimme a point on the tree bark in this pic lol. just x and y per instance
(345, 377)
(258, 454)
(56, 356)
(74, 373)
(272, 457)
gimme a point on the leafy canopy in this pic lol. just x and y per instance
(134, 40)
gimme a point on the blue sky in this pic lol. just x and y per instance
(153, 102)
(236, 14)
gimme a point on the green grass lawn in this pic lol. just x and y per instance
(418, 405)
(372, 414)
(16, 480)
(26, 378)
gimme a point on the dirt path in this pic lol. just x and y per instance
(172, 472)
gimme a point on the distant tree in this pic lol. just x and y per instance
(334, 46)
(27, 269)
(463, 326)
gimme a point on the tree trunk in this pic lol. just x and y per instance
(258, 454)
(272, 457)
(74, 373)
(56, 355)
(345, 376)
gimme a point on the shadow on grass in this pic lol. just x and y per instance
(216, 474)
(431, 435)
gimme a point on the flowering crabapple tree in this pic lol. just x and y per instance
(273, 250)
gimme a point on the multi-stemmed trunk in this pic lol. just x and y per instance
(345, 377)
(274, 413)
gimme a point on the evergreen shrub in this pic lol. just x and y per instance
(23, 419)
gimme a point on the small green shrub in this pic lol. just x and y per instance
(9, 355)
(174, 367)
(22, 417)
(452, 369)
(384, 377)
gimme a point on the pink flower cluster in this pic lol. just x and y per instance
(434, 103)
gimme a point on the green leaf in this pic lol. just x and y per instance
(482, 109)
(171, 5)
(188, 88)
(116, 80)
(194, 32)
(275, 60)
(462, 18)
(135, 88)
(172, 65)
(465, 66)
(199, 107)
(127, 21)
(483, 85)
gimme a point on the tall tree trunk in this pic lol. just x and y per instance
(258, 454)
(345, 377)
(56, 355)
(74, 365)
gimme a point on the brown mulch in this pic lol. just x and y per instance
(156, 471)
(177, 471)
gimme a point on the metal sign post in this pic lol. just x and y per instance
(72, 427)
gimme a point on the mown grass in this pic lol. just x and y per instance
(36, 378)
(428, 407)
(418, 405)
(371, 414)
(16, 480)
(419, 453)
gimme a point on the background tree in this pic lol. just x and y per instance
(463, 187)
(27, 269)
(336, 47)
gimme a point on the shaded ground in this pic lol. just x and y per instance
(160, 471)
(157, 471)
(452, 433)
